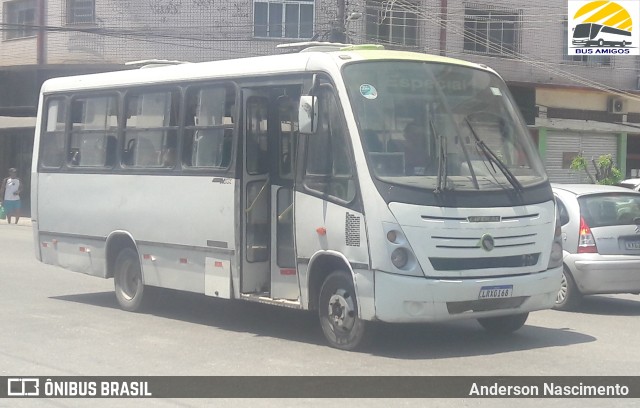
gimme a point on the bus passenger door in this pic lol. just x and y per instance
(256, 196)
(270, 140)
(284, 276)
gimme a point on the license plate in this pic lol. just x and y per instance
(496, 292)
(632, 244)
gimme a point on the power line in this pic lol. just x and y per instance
(516, 56)
(185, 36)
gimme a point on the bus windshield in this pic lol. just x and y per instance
(441, 127)
(583, 31)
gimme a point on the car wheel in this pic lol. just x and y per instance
(338, 312)
(129, 287)
(503, 324)
(568, 296)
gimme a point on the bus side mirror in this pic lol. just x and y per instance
(308, 114)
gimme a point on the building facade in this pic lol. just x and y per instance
(585, 105)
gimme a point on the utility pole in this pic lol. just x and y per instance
(40, 36)
(443, 27)
(338, 27)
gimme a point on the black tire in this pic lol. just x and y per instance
(503, 324)
(127, 276)
(569, 297)
(338, 312)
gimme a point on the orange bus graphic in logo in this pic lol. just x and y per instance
(603, 27)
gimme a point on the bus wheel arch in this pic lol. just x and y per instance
(116, 242)
(128, 283)
(320, 267)
(338, 312)
(332, 293)
(123, 263)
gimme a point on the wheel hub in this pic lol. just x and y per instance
(341, 311)
(562, 293)
(131, 283)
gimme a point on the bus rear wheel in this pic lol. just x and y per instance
(338, 312)
(503, 324)
(128, 283)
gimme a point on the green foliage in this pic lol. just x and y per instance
(614, 177)
(579, 163)
(606, 172)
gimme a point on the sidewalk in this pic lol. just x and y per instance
(24, 222)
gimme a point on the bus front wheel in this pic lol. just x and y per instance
(128, 280)
(503, 324)
(338, 311)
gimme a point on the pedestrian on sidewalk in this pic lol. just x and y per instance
(10, 195)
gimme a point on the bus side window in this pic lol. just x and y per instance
(288, 135)
(94, 120)
(151, 129)
(112, 144)
(52, 145)
(209, 126)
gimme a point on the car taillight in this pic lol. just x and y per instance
(586, 242)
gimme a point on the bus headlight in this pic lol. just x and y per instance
(399, 258)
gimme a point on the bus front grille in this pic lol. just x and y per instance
(456, 264)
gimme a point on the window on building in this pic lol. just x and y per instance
(81, 11)
(283, 18)
(587, 59)
(492, 31)
(19, 19)
(393, 24)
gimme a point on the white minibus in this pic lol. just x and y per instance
(362, 183)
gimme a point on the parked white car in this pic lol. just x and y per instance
(633, 183)
(601, 241)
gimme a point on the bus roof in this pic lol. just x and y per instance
(241, 67)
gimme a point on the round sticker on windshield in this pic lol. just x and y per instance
(368, 91)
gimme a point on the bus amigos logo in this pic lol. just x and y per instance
(603, 27)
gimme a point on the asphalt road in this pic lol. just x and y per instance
(55, 322)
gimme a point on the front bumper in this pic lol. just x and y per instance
(400, 298)
(600, 274)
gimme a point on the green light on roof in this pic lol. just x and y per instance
(362, 47)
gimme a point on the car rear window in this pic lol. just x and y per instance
(603, 210)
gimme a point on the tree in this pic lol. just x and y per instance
(605, 171)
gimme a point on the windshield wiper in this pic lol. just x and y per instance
(442, 159)
(493, 158)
